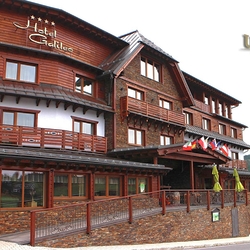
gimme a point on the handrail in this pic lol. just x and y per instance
(45, 223)
(51, 138)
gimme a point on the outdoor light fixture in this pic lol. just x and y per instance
(215, 215)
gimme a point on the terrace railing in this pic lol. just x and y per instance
(51, 138)
(59, 221)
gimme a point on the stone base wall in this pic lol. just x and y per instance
(172, 227)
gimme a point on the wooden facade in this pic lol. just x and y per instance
(85, 115)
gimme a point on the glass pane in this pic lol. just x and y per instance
(131, 93)
(33, 193)
(138, 137)
(143, 67)
(76, 126)
(131, 186)
(61, 185)
(87, 128)
(24, 119)
(88, 87)
(11, 189)
(157, 72)
(28, 73)
(11, 70)
(78, 185)
(150, 69)
(78, 86)
(8, 118)
(142, 185)
(100, 186)
(131, 136)
(114, 186)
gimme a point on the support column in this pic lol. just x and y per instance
(192, 174)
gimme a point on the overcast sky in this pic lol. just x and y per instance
(205, 36)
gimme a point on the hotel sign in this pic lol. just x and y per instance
(43, 33)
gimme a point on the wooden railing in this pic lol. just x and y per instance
(239, 164)
(51, 138)
(128, 104)
(202, 106)
(58, 221)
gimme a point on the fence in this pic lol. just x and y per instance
(59, 221)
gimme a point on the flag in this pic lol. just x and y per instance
(187, 146)
(194, 144)
(213, 144)
(203, 142)
(225, 150)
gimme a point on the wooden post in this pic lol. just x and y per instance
(188, 201)
(32, 228)
(192, 174)
(208, 200)
(88, 219)
(163, 200)
(130, 210)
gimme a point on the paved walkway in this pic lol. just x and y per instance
(4, 245)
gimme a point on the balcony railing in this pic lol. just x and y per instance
(239, 164)
(202, 106)
(51, 138)
(128, 104)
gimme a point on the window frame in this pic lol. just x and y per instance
(70, 186)
(19, 70)
(137, 185)
(16, 111)
(81, 121)
(188, 118)
(234, 133)
(82, 82)
(164, 137)
(139, 94)
(107, 186)
(162, 103)
(144, 69)
(222, 129)
(206, 123)
(135, 136)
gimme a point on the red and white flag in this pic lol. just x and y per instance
(225, 150)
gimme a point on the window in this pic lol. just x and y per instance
(134, 93)
(136, 137)
(69, 185)
(22, 189)
(85, 127)
(83, 85)
(188, 118)
(165, 104)
(222, 129)
(150, 69)
(166, 140)
(206, 124)
(137, 185)
(234, 132)
(206, 100)
(18, 118)
(234, 155)
(21, 71)
(112, 189)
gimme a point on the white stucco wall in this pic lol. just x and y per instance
(56, 118)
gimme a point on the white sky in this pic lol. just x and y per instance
(205, 36)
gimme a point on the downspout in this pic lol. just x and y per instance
(114, 108)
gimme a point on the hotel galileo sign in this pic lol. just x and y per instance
(44, 36)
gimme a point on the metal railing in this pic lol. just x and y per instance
(51, 138)
(59, 221)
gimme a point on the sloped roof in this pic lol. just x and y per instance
(117, 62)
(196, 82)
(213, 135)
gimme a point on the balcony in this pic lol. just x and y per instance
(239, 164)
(202, 106)
(131, 105)
(51, 138)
